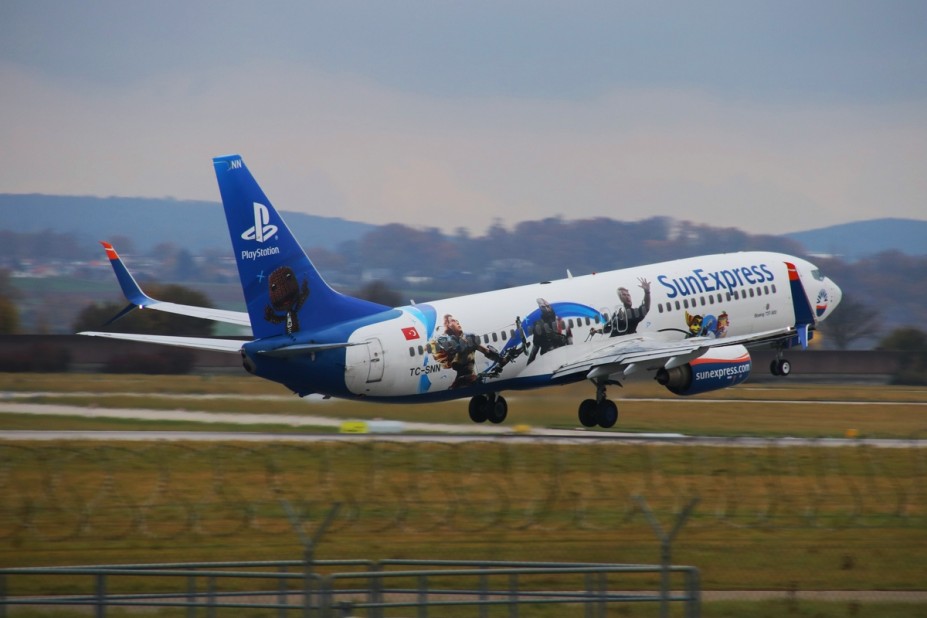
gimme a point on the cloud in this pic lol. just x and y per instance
(346, 145)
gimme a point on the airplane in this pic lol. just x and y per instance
(689, 328)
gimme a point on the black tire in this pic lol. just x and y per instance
(774, 367)
(587, 413)
(479, 409)
(498, 410)
(785, 368)
(607, 414)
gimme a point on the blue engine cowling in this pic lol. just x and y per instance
(718, 368)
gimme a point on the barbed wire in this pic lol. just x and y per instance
(174, 490)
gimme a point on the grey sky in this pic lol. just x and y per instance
(768, 116)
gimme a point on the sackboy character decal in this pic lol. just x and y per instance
(287, 297)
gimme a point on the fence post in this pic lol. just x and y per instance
(666, 546)
(211, 600)
(282, 590)
(101, 595)
(694, 600)
(191, 596)
(484, 593)
(309, 544)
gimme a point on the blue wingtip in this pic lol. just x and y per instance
(130, 288)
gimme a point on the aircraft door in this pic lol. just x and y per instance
(375, 365)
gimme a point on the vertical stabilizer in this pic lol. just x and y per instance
(284, 292)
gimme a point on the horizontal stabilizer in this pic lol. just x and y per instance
(304, 348)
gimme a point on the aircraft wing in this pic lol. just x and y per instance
(139, 300)
(197, 343)
(625, 355)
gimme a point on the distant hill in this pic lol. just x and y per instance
(863, 238)
(198, 225)
(147, 222)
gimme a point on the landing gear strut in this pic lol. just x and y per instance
(600, 411)
(490, 407)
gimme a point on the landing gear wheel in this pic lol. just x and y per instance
(587, 413)
(498, 410)
(607, 414)
(479, 409)
(780, 367)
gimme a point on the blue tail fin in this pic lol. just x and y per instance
(284, 292)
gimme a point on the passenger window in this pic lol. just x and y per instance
(495, 338)
(411, 351)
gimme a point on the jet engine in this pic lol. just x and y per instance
(718, 368)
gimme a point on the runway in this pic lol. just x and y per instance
(400, 432)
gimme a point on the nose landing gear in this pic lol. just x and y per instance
(780, 367)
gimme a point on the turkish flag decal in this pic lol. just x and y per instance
(410, 333)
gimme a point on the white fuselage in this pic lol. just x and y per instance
(711, 296)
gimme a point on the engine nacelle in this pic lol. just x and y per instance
(718, 368)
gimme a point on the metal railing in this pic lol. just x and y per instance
(328, 588)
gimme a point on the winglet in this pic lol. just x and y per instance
(130, 288)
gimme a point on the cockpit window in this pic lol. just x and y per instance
(817, 274)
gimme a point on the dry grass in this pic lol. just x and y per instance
(844, 518)
(779, 409)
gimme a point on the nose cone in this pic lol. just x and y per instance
(832, 298)
(838, 295)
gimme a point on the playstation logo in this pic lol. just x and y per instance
(262, 229)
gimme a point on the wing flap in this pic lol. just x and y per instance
(629, 354)
(197, 343)
(207, 313)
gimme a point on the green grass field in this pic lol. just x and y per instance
(774, 517)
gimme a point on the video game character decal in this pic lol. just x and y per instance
(457, 350)
(625, 319)
(286, 298)
(713, 327)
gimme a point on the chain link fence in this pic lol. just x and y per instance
(785, 516)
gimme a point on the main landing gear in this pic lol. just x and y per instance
(601, 411)
(489, 407)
